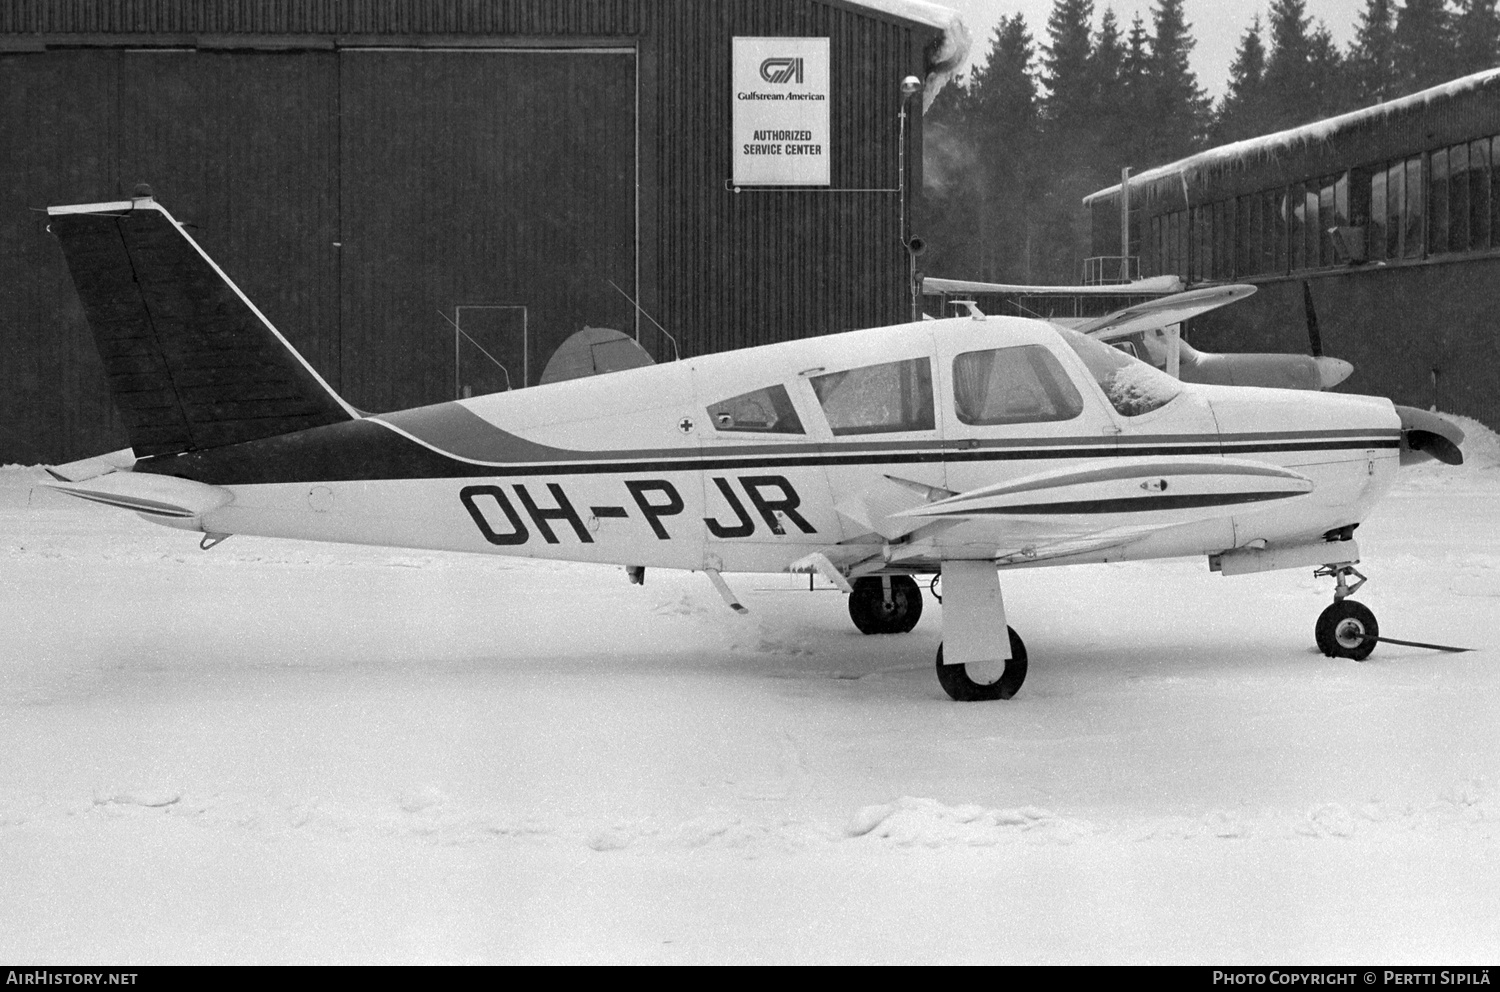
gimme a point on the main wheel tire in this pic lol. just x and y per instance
(873, 615)
(957, 683)
(1347, 630)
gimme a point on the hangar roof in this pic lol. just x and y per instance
(1270, 146)
(953, 46)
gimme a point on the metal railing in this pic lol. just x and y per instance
(1111, 270)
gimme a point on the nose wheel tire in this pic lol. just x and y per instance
(973, 683)
(872, 613)
(1347, 630)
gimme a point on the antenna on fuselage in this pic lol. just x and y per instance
(973, 308)
(479, 346)
(676, 353)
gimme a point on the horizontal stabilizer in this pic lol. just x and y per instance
(148, 493)
(191, 363)
(90, 468)
(1162, 493)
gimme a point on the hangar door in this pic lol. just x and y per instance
(495, 188)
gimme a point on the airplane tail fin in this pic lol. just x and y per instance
(191, 362)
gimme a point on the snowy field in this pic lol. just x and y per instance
(282, 752)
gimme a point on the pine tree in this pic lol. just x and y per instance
(1243, 112)
(1066, 65)
(1477, 30)
(984, 138)
(1109, 118)
(1331, 92)
(1134, 114)
(1178, 107)
(1070, 145)
(1136, 67)
(1424, 50)
(1371, 67)
(1288, 79)
(1106, 66)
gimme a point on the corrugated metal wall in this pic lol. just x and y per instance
(52, 397)
(242, 137)
(241, 147)
(453, 197)
(804, 262)
(510, 17)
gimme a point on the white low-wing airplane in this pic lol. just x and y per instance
(958, 447)
(1149, 331)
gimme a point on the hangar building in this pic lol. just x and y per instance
(1389, 214)
(373, 172)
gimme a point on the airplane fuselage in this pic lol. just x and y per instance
(645, 467)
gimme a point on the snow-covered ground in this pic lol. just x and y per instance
(281, 752)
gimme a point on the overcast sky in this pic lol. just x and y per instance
(1216, 24)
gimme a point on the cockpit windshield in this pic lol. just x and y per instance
(1133, 387)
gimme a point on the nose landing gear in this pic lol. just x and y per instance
(888, 604)
(1346, 629)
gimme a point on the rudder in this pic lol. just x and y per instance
(191, 363)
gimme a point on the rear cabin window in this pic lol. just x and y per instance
(1021, 385)
(765, 411)
(878, 399)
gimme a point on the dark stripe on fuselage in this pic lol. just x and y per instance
(1128, 504)
(365, 451)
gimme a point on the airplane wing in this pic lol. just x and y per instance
(1161, 312)
(1053, 514)
(1086, 508)
(1173, 492)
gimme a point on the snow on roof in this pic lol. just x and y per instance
(1267, 145)
(953, 48)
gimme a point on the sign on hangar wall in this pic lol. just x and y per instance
(781, 124)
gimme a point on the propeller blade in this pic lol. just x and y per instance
(1314, 339)
(1425, 434)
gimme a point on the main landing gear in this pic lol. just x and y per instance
(974, 615)
(888, 604)
(1346, 629)
(983, 680)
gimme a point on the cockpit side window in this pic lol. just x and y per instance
(1133, 387)
(1020, 385)
(764, 411)
(878, 399)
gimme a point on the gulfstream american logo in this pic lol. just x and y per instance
(781, 70)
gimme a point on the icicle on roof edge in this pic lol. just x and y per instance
(953, 48)
(1268, 144)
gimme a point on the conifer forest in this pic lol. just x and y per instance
(1041, 120)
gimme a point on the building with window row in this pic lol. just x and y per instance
(1390, 214)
